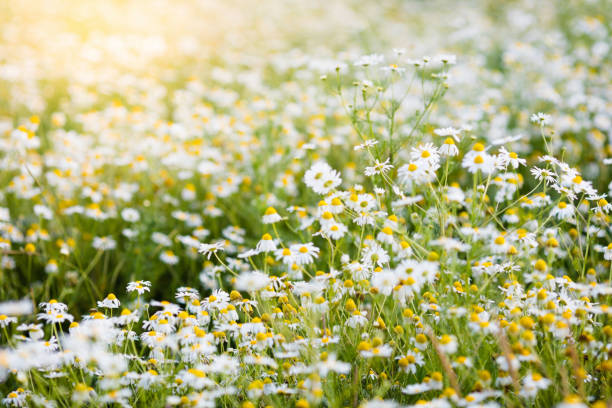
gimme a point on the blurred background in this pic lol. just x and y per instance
(131, 103)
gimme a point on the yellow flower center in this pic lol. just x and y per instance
(270, 211)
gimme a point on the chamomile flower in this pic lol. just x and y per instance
(415, 172)
(51, 267)
(82, 393)
(385, 236)
(271, 216)
(378, 168)
(508, 159)
(322, 178)
(478, 160)
(52, 316)
(367, 144)
(448, 343)
(104, 243)
(449, 131)
(168, 257)
(334, 230)
(6, 320)
(571, 401)
(448, 148)
(562, 211)
(139, 286)
(130, 215)
(607, 251)
(543, 174)
(266, 244)
(532, 384)
(410, 361)
(210, 249)
(252, 281)
(330, 363)
(426, 153)
(110, 302)
(384, 281)
(374, 254)
(17, 398)
(357, 319)
(304, 254)
(34, 331)
(541, 119)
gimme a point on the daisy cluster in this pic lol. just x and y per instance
(197, 215)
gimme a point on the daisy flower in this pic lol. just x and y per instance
(16, 398)
(572, 401)
(562, 211)
(378, 168)
(168, 257)
(6, 320)
(448, 131)
(410, 361)
(449, 148)
(251, 281)
(271, 216)
(416, 172)
(507, 158)
(540, 118)
(334, 230)
(384, 281)
(304, 253)
(478, 159)
(425, 153)
(358, 318)
(130, 215)
(55, 317)
(361, 202)
(266, 244)
(321, 178)
(34, 330)
(367, 144)
(330, 363)
(543, 174)
(104, 243)
(209, 249)
(51, 267)
(375, 254)
(608, 252)
(448, 343)
(110, 302)
(532, 384)
(285, 255)
(139, 286)
(376, 351)
(385, 236)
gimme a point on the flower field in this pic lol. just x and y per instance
(306, 203)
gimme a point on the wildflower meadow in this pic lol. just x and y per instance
(283, 203)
